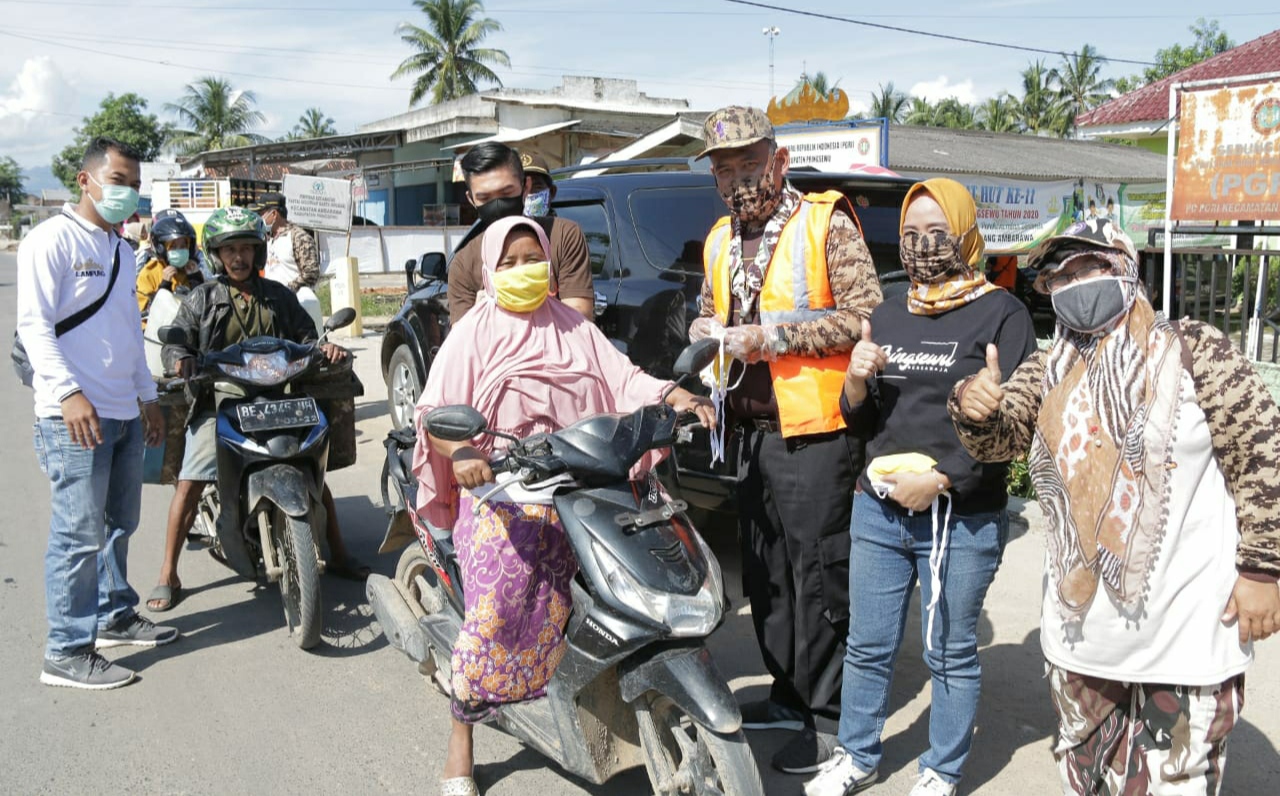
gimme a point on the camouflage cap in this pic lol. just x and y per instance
(733, 127)
(1099, 233)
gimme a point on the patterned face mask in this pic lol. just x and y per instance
(752, 199)
(929, 257)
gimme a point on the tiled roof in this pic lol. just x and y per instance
(1151, 102)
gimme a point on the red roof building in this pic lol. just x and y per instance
(1141, 114)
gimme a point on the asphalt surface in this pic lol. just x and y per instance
(235, 707)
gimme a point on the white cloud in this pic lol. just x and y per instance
(942, 88)
(34, 111)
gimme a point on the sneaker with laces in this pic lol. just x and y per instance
(765, 714)
(839, 777)
(87, 670)
(135, 631)
(931, 784)
(806, 752)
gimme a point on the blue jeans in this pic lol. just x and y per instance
(889, 551)
(97, 496)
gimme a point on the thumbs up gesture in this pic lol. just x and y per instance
(982, 397)
(867, 360)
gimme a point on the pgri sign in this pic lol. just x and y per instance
(1257, 184)
(1228, 160)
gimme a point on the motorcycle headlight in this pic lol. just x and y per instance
(265, 369)
(685, 615)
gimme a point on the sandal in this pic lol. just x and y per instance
(459, 786)
(167, 595)
(349, 568)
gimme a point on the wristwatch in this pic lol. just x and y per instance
(779, 342)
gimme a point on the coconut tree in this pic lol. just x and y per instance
(888, 102)
(819, 82)
(953, 113)
(214, 115)
(999, 114)
(1079, 84)
(313, 124)
(1040, 107)
(920, 112)
(449, 61)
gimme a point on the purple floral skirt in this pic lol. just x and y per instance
(517, 568)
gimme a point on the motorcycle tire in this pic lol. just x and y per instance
(300, 580)
(683, 757)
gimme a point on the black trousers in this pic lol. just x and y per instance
(795, 498)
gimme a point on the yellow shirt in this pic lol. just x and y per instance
(149, 279)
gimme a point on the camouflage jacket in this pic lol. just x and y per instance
(306, 253)
(1243, 420)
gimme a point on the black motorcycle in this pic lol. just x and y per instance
(637, 684)
(265, 510)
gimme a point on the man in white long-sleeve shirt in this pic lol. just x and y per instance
(89, 383)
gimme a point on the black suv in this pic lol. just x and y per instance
(645, 233)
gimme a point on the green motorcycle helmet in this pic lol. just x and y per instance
(229, 224)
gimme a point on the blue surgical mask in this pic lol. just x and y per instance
(118, 202)
(179, 258)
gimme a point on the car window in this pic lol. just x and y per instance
(672, 224)
(595, 227)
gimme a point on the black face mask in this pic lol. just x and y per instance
(501, 207)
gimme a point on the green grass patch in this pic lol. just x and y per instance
(371, 304)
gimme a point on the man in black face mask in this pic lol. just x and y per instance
(789, 280)
(496, 186)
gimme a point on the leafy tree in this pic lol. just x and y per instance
(888, 102)
(11, 181)
(123, 118)
(1209, 41)
(920, 112)
(214, 115)
(1079, 86)
(953, 113)
(449, 61)
(1040, 108)
(999, 114)
(313, 124)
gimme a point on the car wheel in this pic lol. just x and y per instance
(403, 387)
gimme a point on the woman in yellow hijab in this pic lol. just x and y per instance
(925, 510)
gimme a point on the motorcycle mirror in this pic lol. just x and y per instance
(455, 423)
(172, 335)
(341, 318)
(697, 356)
(432, 266)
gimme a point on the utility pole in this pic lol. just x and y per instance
(772, 32)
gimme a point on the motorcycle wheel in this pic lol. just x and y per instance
(300, 581)
(683, 757)
(417, 579)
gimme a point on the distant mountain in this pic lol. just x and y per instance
(38, 178)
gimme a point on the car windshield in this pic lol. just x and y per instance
(672, 224)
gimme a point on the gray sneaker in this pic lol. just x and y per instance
(87, 670)
(136, 631)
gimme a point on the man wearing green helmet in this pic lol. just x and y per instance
(236, 305)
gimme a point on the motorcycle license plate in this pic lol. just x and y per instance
(271, 415)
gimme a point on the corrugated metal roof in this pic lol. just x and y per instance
(1151, 102)
(945, 151)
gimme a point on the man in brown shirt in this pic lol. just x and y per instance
(798, 465)
(496, 186)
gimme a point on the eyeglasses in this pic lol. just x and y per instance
(1080, 273)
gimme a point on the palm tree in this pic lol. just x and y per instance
(819, 83)
(449, 61)
(214, 115)
(953, 113)
(1039, 110)
(999, 114)
(313, 124)
(888, 103)
(920, 112)
(1079, 84)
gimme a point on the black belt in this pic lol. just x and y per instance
(767, 424)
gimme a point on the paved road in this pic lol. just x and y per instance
(235, 707)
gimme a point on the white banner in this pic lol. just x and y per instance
(318, 202)
(839, 149)
(1015, 215)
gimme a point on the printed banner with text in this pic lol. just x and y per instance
(1228, 162)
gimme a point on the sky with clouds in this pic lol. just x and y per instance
(59, 58)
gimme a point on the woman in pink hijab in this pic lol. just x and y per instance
(529, 364)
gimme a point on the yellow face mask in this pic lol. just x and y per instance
(523, 288)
